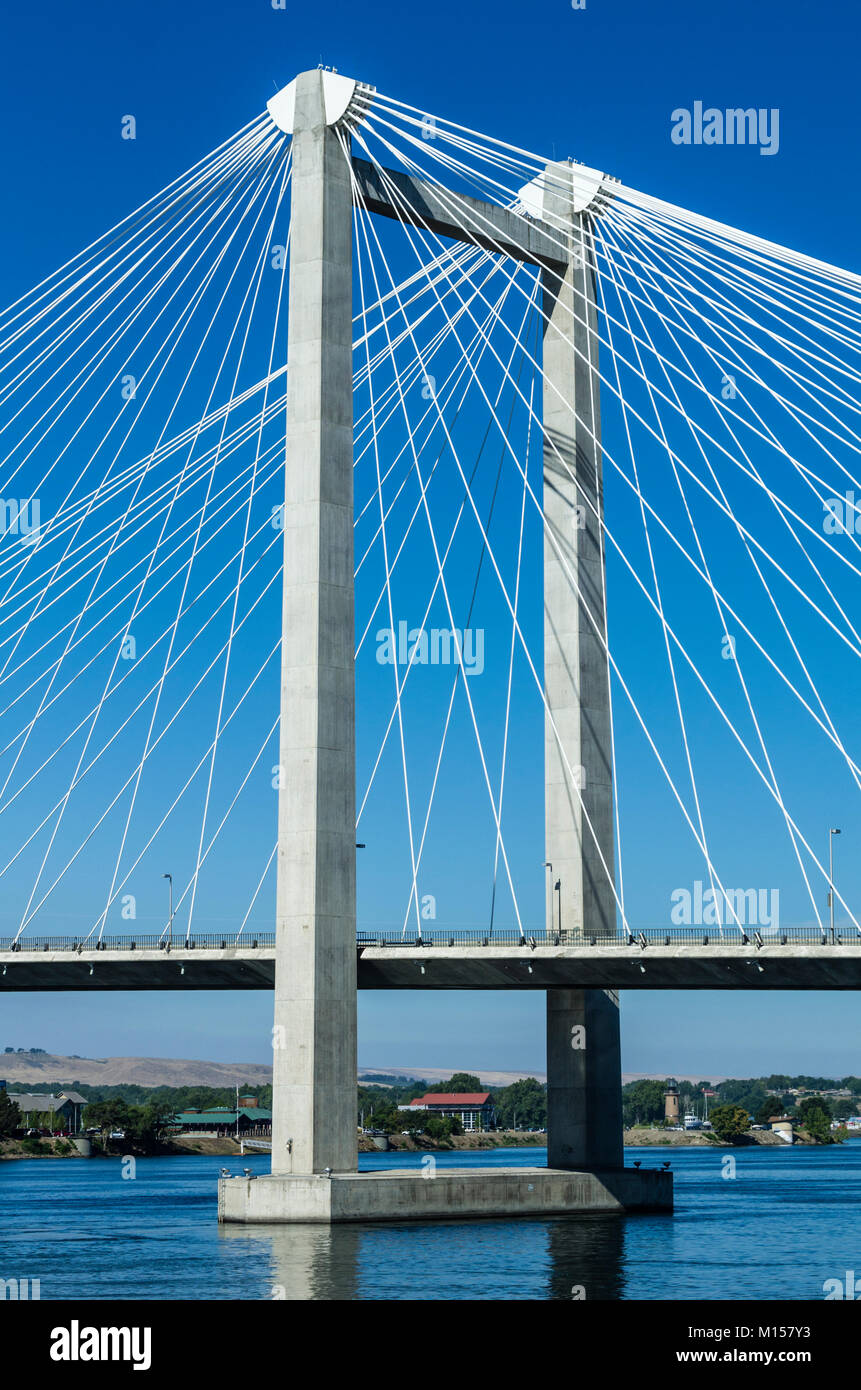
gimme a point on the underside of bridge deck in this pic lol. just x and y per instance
(803, 966)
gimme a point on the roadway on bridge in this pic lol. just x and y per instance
(728, 963)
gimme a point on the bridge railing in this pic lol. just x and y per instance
(648, 937)
(640, 940)
(219, 941)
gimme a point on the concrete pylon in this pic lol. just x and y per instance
(584, 1124)
(314, 1091)
(314, 1071)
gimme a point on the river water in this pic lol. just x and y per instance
(787, 1221)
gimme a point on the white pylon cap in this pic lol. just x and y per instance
(338, 96)
(585, 186)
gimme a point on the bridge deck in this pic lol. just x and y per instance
(795, 960)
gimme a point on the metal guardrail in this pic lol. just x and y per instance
(203, 941)
(530, 940)
(650, 936)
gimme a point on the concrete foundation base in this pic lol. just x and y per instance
(433, 1195)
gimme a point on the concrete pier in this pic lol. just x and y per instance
(450, 1194)
(584, 1083)
(584, 1098)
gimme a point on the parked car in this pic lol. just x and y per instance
(118, 1134)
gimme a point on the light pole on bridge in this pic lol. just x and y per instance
(549, 913)
(831, 834)
(169, 878)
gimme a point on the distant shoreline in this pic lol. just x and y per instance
(698, 1138)
(401, 1143)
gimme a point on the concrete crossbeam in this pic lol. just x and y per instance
(455, 215)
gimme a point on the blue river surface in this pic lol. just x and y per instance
(783, 1225)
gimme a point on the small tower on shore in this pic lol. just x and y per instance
(671, 1104)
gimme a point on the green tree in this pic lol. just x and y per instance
(440, 1127)
(766, 1110)
(10, 1116)
(643, 1103)
(807, 1104)
(523, 1105)
(814, 1117)
(147, 1124)
(750, 1095)
(729, 1122)
(414, 1122)
(105, 1115)
(385, 1116)
(817, 1124)
(463, 1082)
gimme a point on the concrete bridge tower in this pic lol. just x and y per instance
(314, 1057)
(314, 1161)
(584, 1097)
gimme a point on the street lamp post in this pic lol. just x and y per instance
(549, 925)
(558, 889)
(831, 834)
(169, 878)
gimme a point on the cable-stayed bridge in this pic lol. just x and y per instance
(381, 496)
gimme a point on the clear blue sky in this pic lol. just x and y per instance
(598, 84)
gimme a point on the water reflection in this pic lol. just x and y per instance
(305, 1262)
(784, 1225)
(572, 1258)
(585, 1257)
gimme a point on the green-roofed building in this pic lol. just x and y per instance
(220, 1119)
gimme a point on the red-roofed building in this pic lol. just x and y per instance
(474, 1109)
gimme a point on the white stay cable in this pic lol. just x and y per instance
(737, 660)
(85, 747)
(796, 538)
(184, 184)
(247, 528)
(254, 283)
(407, 802)
(260, 883)
(693, 666)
